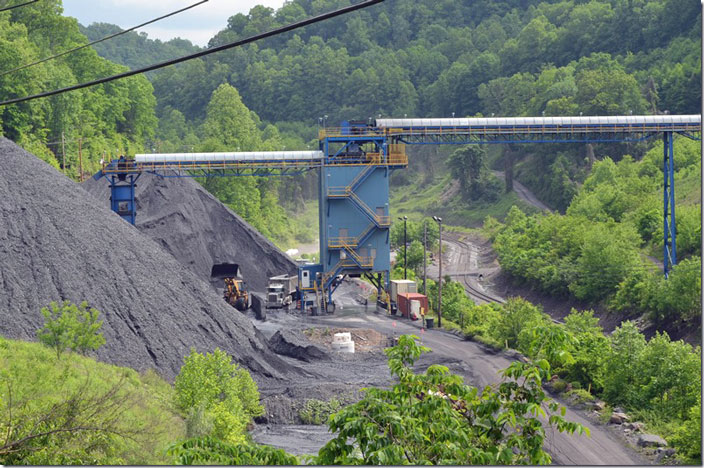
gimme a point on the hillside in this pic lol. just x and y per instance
(136, 410)
(555, 57)
(133, 49)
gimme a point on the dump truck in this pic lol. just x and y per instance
(279, 290)
(234, 291)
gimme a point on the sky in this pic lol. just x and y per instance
(198, 24)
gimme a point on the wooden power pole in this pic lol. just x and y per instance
(80, 160)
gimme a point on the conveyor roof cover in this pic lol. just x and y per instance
(245, 157)
(540, 121)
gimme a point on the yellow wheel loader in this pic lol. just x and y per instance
(234, 291)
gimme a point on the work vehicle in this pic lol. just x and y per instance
(279, 291)
(234, 291)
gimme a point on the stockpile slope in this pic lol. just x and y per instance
(198, 230)
(57, 243)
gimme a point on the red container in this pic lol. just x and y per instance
(404, 303)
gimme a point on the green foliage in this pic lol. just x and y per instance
(661, 376)
(67, 326)
(559, 386)
(434, 418)
(594, 252)
(106, 118)
(688, 437)
(468, 166)
(518, 319)
(79, 411)
(414, 232)
(589, 349)
(317, 411)
(218, 397)
(657, 380)
(213, 451)
(665, 300)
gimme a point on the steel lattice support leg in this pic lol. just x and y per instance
(669, 236)
(122, 199)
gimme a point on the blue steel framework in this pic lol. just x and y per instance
(354, 173)
(561, 130)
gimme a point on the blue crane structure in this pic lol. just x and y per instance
(354, 162)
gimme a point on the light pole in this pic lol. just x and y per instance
(425, 246)
(439, 221)
(405, 247)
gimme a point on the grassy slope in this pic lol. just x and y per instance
(417, 201)
(39, 380)
(305, 227)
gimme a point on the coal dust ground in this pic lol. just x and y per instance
(341, 376)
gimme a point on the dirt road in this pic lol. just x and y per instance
(479, 367)
(524, 194)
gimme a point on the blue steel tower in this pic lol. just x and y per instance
(354, 215)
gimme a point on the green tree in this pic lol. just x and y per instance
(212, 451)
(67, 326)
(435, 418)
(621, 374)
(218, 397)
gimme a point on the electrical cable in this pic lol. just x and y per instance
(273, 32)
(22, 67)
(17, 6)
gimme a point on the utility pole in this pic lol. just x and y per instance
(425, 263)
(405, 246)
(80, 159)
(63, 153)
(439, 221)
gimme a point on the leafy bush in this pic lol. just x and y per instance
(516, 316)
(688, 437)
(589, 349)
(69, 327)
(434, 418)
(676, 298)
(218, 397)
(661, 376)
(581, 395)
(212, 451)
(559, 386)
(317, 411)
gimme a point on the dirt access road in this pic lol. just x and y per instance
(523, 193)
(479, 367)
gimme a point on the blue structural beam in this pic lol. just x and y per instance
(355, 161)
(122, 199)
(670, 228)
(560, 130)
(532, 128)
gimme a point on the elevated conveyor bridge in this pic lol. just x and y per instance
(354, 162)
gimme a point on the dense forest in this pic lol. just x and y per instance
(441, 59)
(398, 58)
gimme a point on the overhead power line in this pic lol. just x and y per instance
(273, 32)
(101, 40)
(17, 6)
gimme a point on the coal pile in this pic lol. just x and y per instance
(198, 230)
(292, 344)
(57, 243)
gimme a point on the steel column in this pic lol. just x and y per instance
(670, 228)
(122, 199)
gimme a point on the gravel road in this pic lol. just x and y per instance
(524, 194)
(479, 367)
